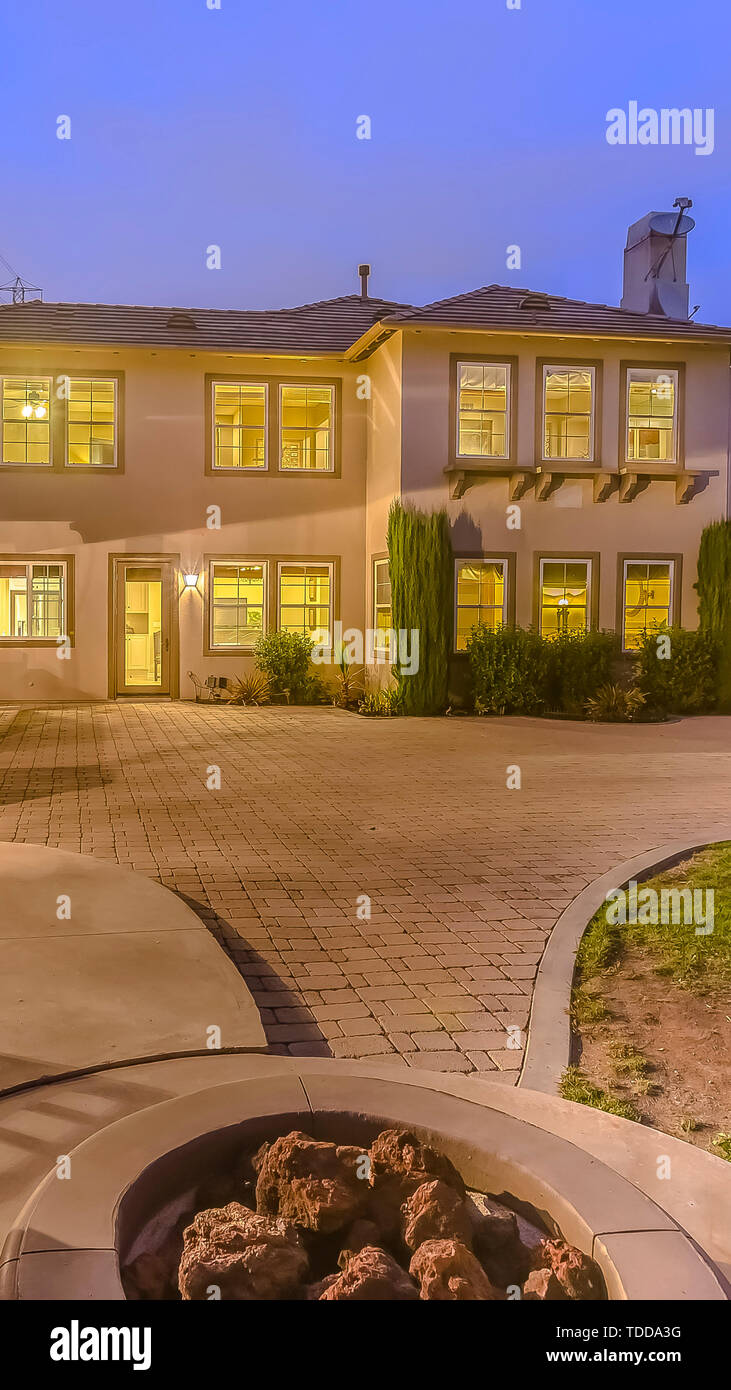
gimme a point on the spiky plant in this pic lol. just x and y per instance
(253, 689)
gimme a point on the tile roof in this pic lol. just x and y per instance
(329, 326)
(509, 309)
(332, 326)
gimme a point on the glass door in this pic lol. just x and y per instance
(143, 594)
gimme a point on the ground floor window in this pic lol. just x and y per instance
(237, 605)
(382, 609)
(305, 600)
(32, 600)
(481, 592)
(565, 594)
(647, 599)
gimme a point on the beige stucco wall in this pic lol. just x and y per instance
(158, 504)
(569, 520)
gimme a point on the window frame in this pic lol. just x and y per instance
(644, 558)
(376, 560)
(45, 375)
(209, 647)
(68, 615)
(306, 563)
(272, 438)
(508, 563)
(496, 462)
(215, 380)
(569, 364)
(58, 418)
(567, 557)
(677, 464)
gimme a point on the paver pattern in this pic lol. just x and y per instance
(323, 817)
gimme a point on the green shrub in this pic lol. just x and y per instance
(580, 663)
(509, 670)
(714, 601)
(421, 573)
(685, 680)
(613, 704)
(285, 659)
(381, 703)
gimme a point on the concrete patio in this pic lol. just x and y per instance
(322, 817)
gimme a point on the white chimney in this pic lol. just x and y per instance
(655, 263)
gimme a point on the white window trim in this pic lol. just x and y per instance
(95, 467)
(27, 376)
(319, 386)
(567, 560)
(241, 561)
(29, 638)
(563, 367)
(478, 560)
(379, 651)
(465, 362)
(643, 376)
(223, 468)
(645, 560)
(305, 565)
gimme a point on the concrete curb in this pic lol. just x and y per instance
(549, 1030)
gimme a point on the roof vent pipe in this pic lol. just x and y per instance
(364, 271)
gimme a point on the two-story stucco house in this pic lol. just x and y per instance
(173, 482)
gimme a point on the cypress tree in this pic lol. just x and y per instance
(714, 600)
(421, 572)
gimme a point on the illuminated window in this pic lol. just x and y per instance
(32, 600)
(382, 612)
(306, 427)
(237, 603)
(568, 413)
(648, 599)
(565, 592)
(26, 428)
(239, 425)
(481, 595)
(91, 428)
(305, 600)
(652, 402)
(483, 390)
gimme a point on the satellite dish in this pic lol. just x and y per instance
(671, 224)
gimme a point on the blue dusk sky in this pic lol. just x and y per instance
(236, 127)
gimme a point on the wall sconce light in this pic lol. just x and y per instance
(190, 581)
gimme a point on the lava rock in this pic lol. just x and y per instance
(372, 1274)
(312, 1184)
(543, 1284)
(578, 1275)
(447, 1270)
(246, 1255)
(360, 1234)
(399, 1164)
(435, 1211)
(494, 1226)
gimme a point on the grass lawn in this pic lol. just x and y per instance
(651, 1009)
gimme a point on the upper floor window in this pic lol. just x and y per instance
(32, 600)
(382, 610)
(91, 425)
(237, 603)
(565, 592)
(306, 416)
(305, 600)
(568, 412)
(480, 597)
(26, 420)
(239, 424)
(652, 414)
(647, 599)
(483, 410)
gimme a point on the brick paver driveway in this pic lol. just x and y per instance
(317, 808)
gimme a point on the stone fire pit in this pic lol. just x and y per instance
(197, 1163)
